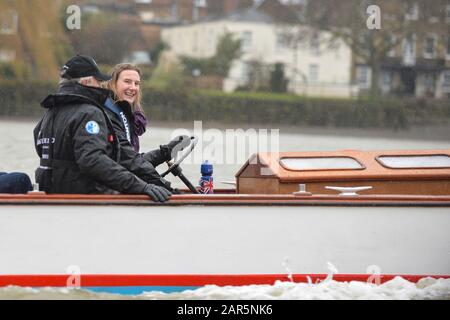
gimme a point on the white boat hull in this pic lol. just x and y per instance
(231, 240)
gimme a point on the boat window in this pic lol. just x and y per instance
(404, 162)
(322, 163)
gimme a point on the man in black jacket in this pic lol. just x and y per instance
(77, 144)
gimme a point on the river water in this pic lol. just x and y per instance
(229, 148)
(228, 151)
(396, 289)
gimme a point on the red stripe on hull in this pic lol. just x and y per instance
(189, 280)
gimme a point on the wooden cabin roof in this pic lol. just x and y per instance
(268, 165)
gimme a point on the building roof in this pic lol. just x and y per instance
(265, 11)
(248, 15)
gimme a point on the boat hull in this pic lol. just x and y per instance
(188, 246)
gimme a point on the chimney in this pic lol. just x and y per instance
(175, 10)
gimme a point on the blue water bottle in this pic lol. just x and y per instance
(206, 181)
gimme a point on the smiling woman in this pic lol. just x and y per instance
(125, 83)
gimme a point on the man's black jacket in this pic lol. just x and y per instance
(78, 147)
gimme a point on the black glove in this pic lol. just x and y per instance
(156, 193)
(171, 149)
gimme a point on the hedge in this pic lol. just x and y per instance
(268, 108)
(22, 100)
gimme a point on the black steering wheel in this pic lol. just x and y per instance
(175, 169)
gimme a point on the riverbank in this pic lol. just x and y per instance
(260, 109)
(440, 132)
(424, 133)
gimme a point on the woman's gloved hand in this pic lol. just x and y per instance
(156, 193)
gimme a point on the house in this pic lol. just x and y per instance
(170, 11)
(217, 7)
(419, 64)
(9, 39)
(178, 11)
(269, 35)
(152, 15)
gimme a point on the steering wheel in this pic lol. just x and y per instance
(175, 168)
(178, 160)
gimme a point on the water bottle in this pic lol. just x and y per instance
(206, 181)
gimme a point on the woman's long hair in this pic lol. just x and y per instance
(112, 84)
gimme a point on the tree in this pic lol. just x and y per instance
(37, 39)
(157, 51)
(105, 36)
(228, 49)
(258, 76)
(352, 22)
(278, 82)
(168, 75)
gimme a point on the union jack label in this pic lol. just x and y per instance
(206, 186)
